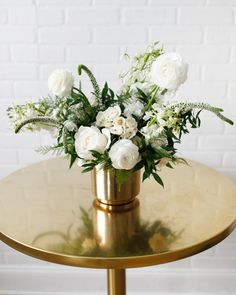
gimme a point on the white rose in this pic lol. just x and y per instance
(169, 71)
(124, 154)
(105, 118)
(90, 138)
(61, 82)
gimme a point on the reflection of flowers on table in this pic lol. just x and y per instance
(149, 238)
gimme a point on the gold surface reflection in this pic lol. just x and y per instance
(47, 211)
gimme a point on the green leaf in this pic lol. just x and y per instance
(73, 158)
(158, 179)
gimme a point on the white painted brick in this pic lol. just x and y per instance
(51, 54)
(16, 2)
(7, 169)
(219, 72)
(225, 250)
(120, 35)
(218, 143)
(204, 54)
(230, 173)
(145, 16)
(19, 72)
(16, 34)
(6, 89)
(50, 16)
(64, 35)
(108, 72)
(4, 54)
(46, 70)
(24, 53)
(23, 140)
(176, 34)
(22, 16)
(3, 16)
(8, 157)
(205, 15)
(221, 2)
(31, 156)
(63, 2)
(202, 91)
(29, 89)
(120, 2)
(96, 54)
(211, 159)
(92, 16)
(221, 35)
(214, 263)
(230, 160)
(177, 2)
(188, 142)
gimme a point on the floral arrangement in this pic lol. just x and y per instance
(135, 128)
(149, 238)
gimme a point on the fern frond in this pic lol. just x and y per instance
(55, 149)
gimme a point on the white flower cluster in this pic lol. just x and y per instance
(111, 118)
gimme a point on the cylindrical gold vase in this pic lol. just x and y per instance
(115, 211)
(105, 187)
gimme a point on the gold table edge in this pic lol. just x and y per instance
(118, 262)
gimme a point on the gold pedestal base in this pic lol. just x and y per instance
(116, 284)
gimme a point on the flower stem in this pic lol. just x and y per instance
(91, 77)
(204, 106)
(47, 120)
(156, 88)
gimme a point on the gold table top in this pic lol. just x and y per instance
(46, 212)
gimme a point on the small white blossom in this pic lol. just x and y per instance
(154, 135)
(124, 154)
(133, 107)
(131, 128)
(169, 71)
(146, 87)
(61, 82)
(118, 126)
(70, 126)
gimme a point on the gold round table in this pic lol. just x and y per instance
(47, 211)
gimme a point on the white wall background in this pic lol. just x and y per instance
(37, 36)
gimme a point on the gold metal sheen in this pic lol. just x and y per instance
(197, 203)
(116, 283)
(105, 187)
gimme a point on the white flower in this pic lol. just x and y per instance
(93, 100)
(70, 126)
(133, 107)
(105, 118)
(131, 128)
(169, 71)
(90, 138)
(145, 87)
(154, 135)
(61, 82)
(125, 127)
(124, 154)
(118, 126)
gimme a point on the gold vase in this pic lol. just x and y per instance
(107, 191)
(115, 211)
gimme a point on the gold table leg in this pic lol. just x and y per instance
(116, 282)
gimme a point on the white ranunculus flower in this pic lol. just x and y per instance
(124, 154)
(118, 126)
(169, 71)
(60, 82)
(105, 118)
(90, 138)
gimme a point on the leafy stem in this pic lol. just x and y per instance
(93, 80)
(47, 120)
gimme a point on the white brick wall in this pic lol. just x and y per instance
(37, 36)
